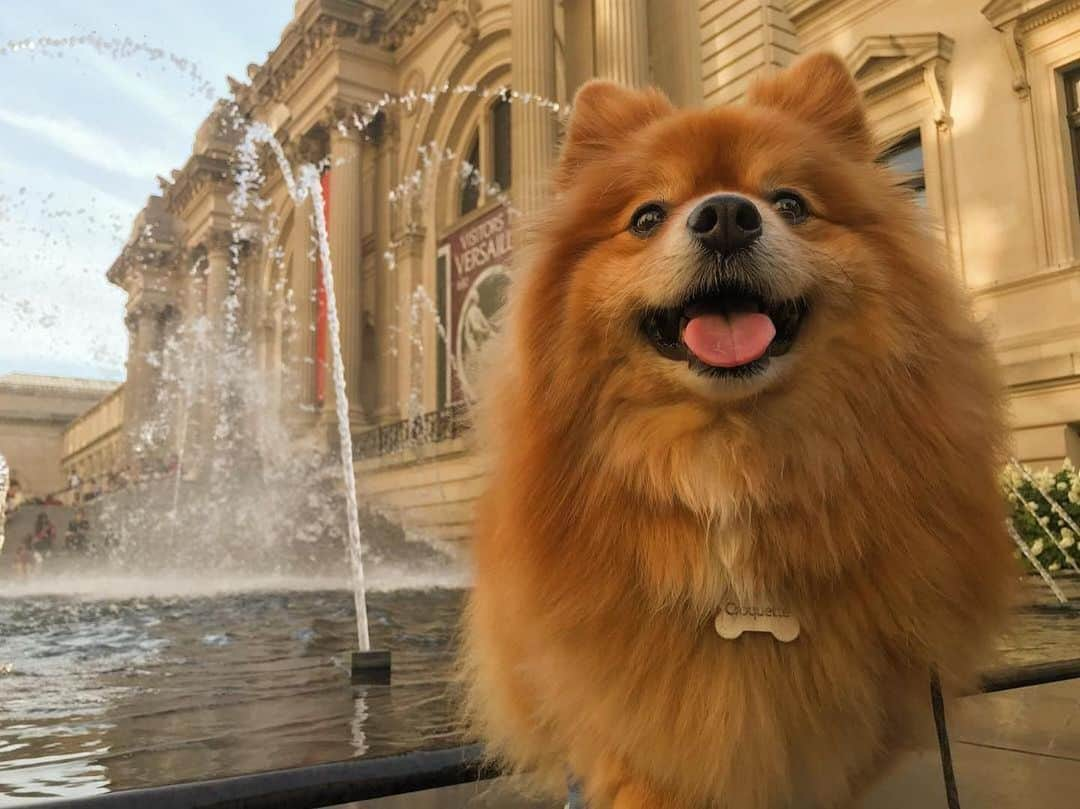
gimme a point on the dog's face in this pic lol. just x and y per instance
(717, 255)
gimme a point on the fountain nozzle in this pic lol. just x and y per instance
(371, 667)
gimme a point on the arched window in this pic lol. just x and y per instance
(500, 143)
(470, 179)
(486, 165)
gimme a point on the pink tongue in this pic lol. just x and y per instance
(729, 340)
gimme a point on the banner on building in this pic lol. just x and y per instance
(475, 278)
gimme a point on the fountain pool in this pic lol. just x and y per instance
(106, 694)
(147, 688)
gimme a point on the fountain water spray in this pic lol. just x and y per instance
(307, 184)
(309, 176)
(5, 475)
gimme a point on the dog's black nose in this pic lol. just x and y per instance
(725, 223)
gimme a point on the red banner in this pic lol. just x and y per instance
(321, 328)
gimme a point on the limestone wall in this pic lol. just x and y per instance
(430, 489)
(92, 442)
(34, 412)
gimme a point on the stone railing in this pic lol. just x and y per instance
(430, 428)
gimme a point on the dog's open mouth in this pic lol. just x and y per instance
(725, 332)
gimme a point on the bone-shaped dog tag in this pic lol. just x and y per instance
(734, 619)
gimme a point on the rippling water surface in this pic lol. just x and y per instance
(99, 693)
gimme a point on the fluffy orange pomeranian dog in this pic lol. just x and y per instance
(745, 436)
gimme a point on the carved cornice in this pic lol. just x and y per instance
(1014, 18)
(404, 18)
(342, 119)
(198, 173)
(322, 24)
(154, 308)
(880, 63)
(1027, 14)
(145, 255)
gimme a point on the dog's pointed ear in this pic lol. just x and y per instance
(603, 115)
(820, 89)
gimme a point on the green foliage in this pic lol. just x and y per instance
(1033, 516)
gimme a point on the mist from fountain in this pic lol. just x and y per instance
(5, 477)
(249, 458)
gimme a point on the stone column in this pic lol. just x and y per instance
(302, 347)
(532, 60)
(675, 50)
(217, 280)
(191, 362)
(140, 385)
(193, 290)
(386, 292)
(410, 275)
(215, 410)
(622, 41)
(345, 239)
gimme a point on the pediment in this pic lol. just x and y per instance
(878, 61)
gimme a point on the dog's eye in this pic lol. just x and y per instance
(647, 218)
(791, 206)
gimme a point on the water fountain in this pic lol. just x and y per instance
(5, 475)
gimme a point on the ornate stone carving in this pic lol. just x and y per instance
(315, 28)
(466, 14)
(308, 148)
(408, 18)
(199, 173)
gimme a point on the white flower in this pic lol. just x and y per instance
(1067, 534)
(1044, 521)
(1054, 566)
(1032, 506)
(1044, 479)
(1067, 541)
(1061, 486)
(1037, 547)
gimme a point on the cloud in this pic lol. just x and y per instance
(87, 145)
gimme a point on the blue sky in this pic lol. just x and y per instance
(84, 129)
